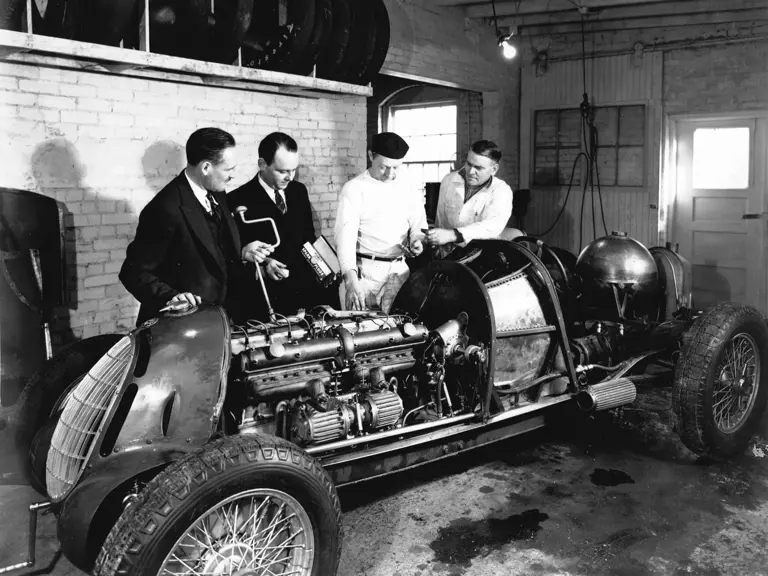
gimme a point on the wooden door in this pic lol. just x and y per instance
(721, 177)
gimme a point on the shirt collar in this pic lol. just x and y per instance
(269, 188)
(199, 192)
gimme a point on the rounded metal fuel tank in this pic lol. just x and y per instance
(618, 260)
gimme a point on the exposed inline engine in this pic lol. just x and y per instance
(337, 375)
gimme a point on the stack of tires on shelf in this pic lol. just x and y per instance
(347, 40)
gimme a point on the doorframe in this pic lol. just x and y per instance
(668, 176)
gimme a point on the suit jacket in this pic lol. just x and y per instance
(175, 251)
(300, 289)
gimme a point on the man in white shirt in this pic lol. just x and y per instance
(379, 222)
(473, 204)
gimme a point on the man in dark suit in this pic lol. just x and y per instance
(273, 193)
(187, 249)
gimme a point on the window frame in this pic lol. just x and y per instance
(388, 125)
(581, 171)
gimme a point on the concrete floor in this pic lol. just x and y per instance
(617, 495)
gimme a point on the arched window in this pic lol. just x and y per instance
(436, 123)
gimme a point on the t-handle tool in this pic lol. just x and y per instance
(241, 210)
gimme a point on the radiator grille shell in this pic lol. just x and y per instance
(83, 418)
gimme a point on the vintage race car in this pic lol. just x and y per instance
(195, 446)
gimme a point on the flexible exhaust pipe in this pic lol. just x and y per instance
(606, 395)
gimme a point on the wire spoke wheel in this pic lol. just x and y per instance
(720, 389)
(734, 388)
(250, 505)
(260, 532)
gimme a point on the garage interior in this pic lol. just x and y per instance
(97, 101)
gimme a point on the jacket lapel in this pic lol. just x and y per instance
(193, 214)
(229, 219)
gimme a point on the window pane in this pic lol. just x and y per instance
(632, 125)
(606, 166)
(430, 173)
(566, 158)
(444, 119)
(546, 127)
(570, 128)
(430, 132)
(607, 124)
(545, 166)
(446, 147)
(403, 122)
(721, 158)
(424, 121)
(631, 166)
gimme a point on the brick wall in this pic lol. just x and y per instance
(470, 129)
(102, 145)
(501, 123)
(724, 78)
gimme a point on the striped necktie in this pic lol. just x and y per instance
(280, 202)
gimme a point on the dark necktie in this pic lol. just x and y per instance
(280, 202)
(215, 208)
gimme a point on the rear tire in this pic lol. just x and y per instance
(249, 480)
(721, 380)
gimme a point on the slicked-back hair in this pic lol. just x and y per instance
(208, 144)
(271, 143)
(488, 149)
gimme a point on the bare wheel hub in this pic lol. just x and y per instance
(227, 559)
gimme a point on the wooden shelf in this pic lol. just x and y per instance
(37, 48)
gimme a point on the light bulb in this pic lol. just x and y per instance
(508, 50)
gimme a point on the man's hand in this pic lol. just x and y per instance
(416, 248)
(256, 252)
(440, 236)
(354, 298)
(182, 301)
(275, 269)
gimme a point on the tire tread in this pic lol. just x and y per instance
(163, 495)
(701, 346)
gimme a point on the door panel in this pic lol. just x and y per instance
(720, 178)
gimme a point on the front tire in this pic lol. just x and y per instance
(721, 380)
(251, 505)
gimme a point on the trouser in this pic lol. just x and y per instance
(380, 281)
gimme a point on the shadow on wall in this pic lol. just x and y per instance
(162, 162)
(59, 173)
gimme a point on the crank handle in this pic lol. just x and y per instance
(241, 210)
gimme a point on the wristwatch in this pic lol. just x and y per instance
(459, 237)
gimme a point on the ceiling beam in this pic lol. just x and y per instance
(552, 29)
(676, 8)
(510, 8)
(705, 8)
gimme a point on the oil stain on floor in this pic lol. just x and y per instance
(601, 477)
(464, 539)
